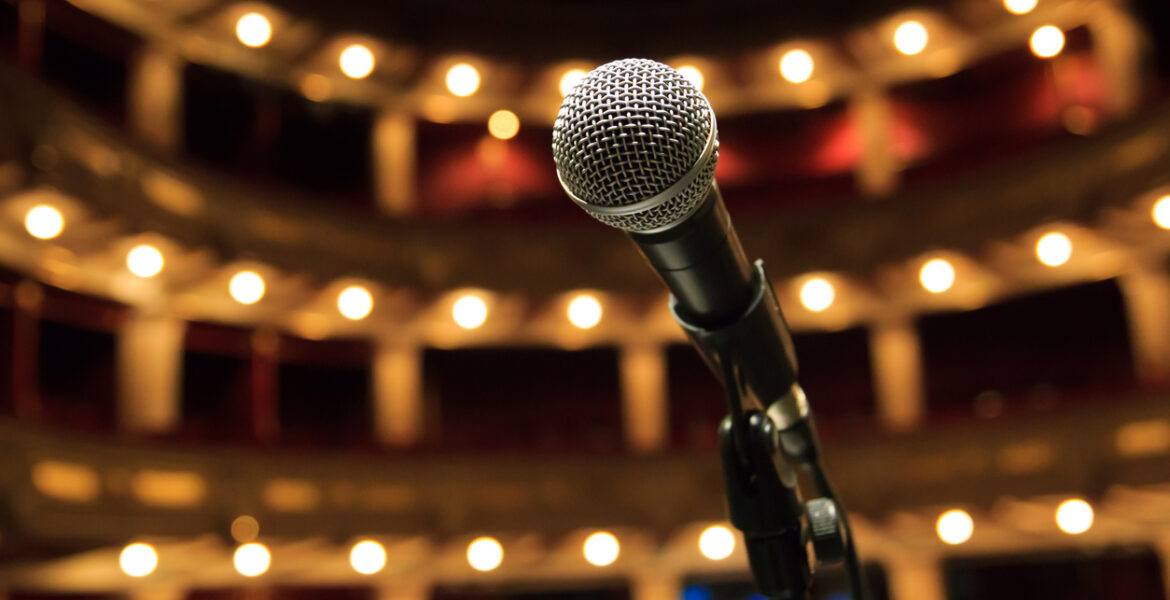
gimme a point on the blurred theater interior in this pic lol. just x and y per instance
(293, 307)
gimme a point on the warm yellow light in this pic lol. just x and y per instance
(462, 79)
(1161, 212)
(485, 554)
(246, 287)
(44, 222)
(910, 37)
(356, 61)
(817, 294)
(1054, 249)
(252, 560)
(693, 74)
(1019, 7)
(1074, 516)
(796, 66)
(1047, 41)
(716, 542)
(584, 311)
(955, 527)
(316, 87)
(937, 276)
(144, 261)
(601, 549)
(253, 30)
(367, 557)
(138, 560)
(469, 311)
(570, 80)
(355, 302)
(503, 124)
(245, 528)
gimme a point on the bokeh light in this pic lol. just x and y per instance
(584, 311)
(817, 294)
(485, 554)
(955, 527)
(716, 542)
(1053, 249)
(252, 560)
(937, 276)
(138, 560)
(245, 528)
(356, 61)
(462, 79)
(693, 74)
(246, 287)
(1047, 41)
(796, 66)
(355, 302)
(1019, 7)
(1161, 212)
(910, 38)
(44, 222)
(570, 80)
(367, 557)
(253, 30)
(601, 549)
(1074, 516)
(144, 261)
(503, 124)
(469, 312)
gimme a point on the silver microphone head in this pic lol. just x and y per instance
(635, 145)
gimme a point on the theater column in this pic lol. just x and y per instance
(150, 361)
(915, 577)
(655, 585)
(645, 418)
(877, 168)
(26, 340)
(398, 401)
(896, 360)
(155, 98)
(1117, 41)
(404, 590)
(394, 162)
(30, 34)
(157, 593)
(1147, 302)
(264, 374)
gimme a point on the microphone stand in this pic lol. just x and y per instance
(758, 448)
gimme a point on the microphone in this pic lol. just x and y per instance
(635, 146)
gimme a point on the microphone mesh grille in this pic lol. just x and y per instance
(629, 130)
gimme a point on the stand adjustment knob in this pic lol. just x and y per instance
(828, 537)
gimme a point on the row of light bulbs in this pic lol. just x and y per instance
(584, 311)
(1073, 516)
(368, 557)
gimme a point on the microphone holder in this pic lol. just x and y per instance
(759, 448)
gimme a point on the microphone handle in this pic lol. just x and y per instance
(702, 264)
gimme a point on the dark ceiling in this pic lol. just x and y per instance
(592, 29)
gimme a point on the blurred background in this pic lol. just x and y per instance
(292, 306)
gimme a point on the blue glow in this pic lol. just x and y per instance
(757, 597)
(839, 596)
(697, 592)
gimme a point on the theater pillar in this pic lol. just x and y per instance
(155, 98)
(645, 418)
(655, 585)
(150, 361)
(915, 578)
(398, 400)
(394, 162)
(1147, 303)
(897, 369)
(877, 168)
(1117, 42)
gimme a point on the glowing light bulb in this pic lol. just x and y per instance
(138, 560)
(570, 80)
(367, 557)
(910, 38)
(937, 276)
(601, 549)
(469, 311)
(253, 30)
(356, 61)
(796, 66)
(355, 302)
(246, 287)
(485, 554)
(817, 294)
(503, 124)
(693, 74)
(1019, 7)
(252, 560)
(584, 311)
(1054, 249)
(1074, 516)
(1161, 212)
(1047, 41)
(144, 261)
(955, 527)
(44, 222)
(462, 79)
(245, 528)
(716, 542)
